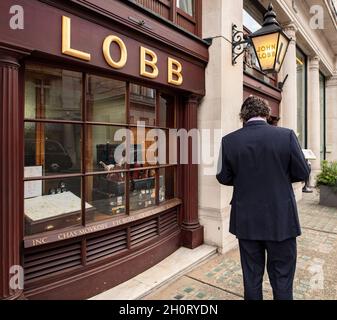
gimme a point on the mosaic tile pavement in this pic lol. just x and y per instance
(316, 276)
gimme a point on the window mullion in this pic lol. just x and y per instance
(84, 144)
(127, 150)
(157, 181)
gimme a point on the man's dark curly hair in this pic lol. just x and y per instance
(254, 107)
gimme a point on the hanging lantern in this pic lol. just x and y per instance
(270, 43)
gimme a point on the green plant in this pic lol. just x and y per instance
(328, 176)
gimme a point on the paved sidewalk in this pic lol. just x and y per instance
(316, 276)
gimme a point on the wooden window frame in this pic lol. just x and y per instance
(84, 128)
(183, 13)
(175, 12)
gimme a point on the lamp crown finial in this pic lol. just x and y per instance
(270, 16)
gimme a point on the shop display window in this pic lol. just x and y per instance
(77, 149)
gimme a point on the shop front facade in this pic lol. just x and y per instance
(79, 81)
(302, 96)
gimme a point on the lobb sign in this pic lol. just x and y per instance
(52, 34)
(148, 59)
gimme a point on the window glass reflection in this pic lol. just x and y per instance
(167, 177)
(187, 6)
(52, 148)
(104, 153)
(106, 100)
(250, 22)
(142, 105)
(52, 93)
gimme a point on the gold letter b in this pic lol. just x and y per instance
(150, 63)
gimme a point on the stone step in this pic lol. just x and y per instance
(174, 266)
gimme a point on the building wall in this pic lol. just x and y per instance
(86, 263)
(219, 110)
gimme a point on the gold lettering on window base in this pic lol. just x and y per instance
(66, 42)
(76, 233)
(175, 68)
(39, 241)
(106, 52)
(63, 235)
(144, 52)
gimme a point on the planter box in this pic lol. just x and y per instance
(327, 197)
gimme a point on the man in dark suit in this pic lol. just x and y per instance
(261, 162)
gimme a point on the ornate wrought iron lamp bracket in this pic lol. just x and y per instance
(239, 40)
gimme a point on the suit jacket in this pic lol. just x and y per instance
(261, 162)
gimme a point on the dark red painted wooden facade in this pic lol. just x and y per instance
(79, 273)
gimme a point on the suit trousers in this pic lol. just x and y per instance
(281, 266)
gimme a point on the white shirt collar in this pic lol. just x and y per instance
(257, 119)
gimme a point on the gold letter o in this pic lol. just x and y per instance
(106, 52)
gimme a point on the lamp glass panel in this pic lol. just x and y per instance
(281, 52)
(266, 49)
